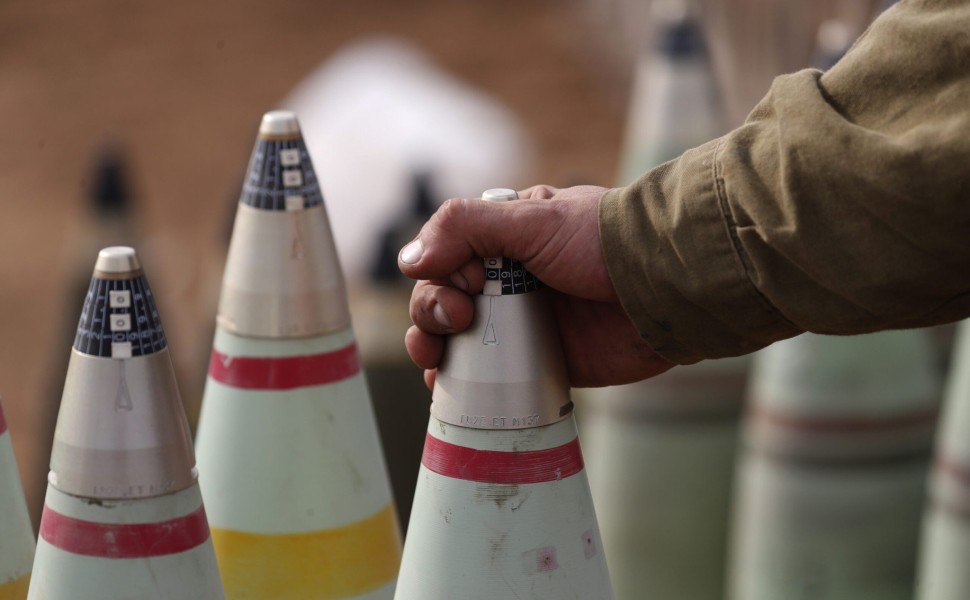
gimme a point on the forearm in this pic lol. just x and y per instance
(842, 205)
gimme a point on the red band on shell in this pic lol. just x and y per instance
(953, 469)
(284, 372)
(846, 424)
(490, 466)
(116, 540)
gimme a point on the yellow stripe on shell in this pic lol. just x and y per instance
(320, 565)
(16, 589)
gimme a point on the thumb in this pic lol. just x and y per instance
(463, 229)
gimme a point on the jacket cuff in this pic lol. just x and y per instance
(672, 254)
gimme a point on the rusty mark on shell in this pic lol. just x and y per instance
(589, 546)
(499, 493)
(546, 559)
(497, 546)
(540, 560)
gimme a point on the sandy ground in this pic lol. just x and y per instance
(182, 85)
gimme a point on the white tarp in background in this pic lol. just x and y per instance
(378, 111)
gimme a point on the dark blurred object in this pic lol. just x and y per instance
(402, 231)
(110, 197)
(681, 38)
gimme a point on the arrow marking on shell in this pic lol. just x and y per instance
(123, 399)
(490, 339)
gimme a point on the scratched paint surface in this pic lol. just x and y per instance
(313, 452)
(479, 540)
(124, 540)
(63, 575)
(293, 473)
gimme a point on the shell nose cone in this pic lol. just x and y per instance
(280, 175)
(121, 432)
(506, 371)
(282, 277)
(117, 259)
(119, 318)
(280, 122)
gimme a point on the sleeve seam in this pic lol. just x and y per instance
(731, 228)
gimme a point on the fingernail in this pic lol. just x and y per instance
(459, 281)
(411, 253)
(441, 316)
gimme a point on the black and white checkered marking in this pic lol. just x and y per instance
(281, 177)
(119, 320)
(504, 276)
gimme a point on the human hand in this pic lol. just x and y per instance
(555, 234)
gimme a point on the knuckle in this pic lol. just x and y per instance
(451, 212)
(423, 299)
(419, 301)
(542, 192)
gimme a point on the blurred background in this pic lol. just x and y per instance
(132, 122)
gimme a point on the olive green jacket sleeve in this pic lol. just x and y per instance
(841, 206)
